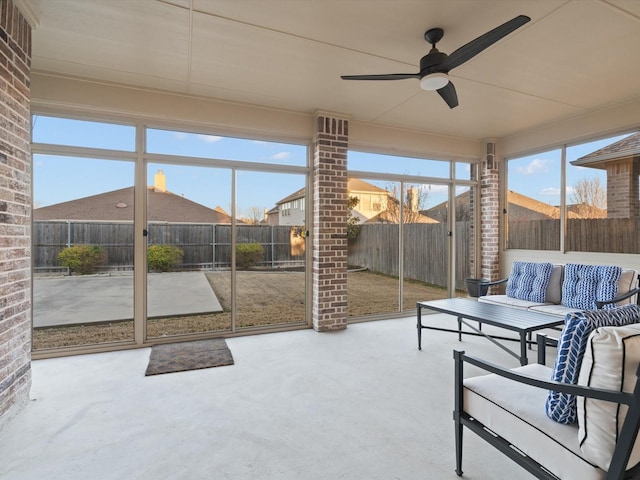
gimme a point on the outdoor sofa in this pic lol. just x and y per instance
(594, 376)
(563, 289)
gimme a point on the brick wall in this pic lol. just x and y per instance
(490, 214)
(330, 223)
(15, 209)
(622, 188)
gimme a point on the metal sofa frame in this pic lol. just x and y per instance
(626, 439)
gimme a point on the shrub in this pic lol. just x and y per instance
(248, 254)
(82, 259)
(164, 258)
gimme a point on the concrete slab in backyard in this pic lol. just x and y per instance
(87, 299)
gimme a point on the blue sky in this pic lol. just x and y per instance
(538, 176)
(58, 179)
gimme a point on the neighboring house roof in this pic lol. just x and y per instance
(354, 185)
(523, 207)
(294, 196)
(626, 147)
(117, 205)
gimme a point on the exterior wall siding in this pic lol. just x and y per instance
(15, 210)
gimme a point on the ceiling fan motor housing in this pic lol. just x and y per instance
(430, 60)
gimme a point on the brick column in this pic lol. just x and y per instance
(330, 222)
(15, 209)
(490, 214)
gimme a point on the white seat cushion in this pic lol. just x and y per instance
(516, 412)
(557, 310)
(610, 362)
(509, 301)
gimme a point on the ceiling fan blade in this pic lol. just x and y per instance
(389, 76)
(474, 47)
(449, 95)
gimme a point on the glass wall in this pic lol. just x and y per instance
(188, 250)
(594, 211)
(270, 249)
(82, 251)
(400, 232)
(603, 198)
(533, 201)
(223, 235)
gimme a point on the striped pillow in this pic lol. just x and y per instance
(562, 407)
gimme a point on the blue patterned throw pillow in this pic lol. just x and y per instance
(562, 407)
(529, 281)
(584, 284)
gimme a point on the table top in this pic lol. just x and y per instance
(501, 316)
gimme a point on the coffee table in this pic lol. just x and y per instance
(523, 322)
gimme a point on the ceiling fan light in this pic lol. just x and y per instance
(434, 81)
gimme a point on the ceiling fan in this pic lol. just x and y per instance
(435, 66)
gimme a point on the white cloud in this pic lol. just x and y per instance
(209, 138)
(537, 165)
(570, 190)
(179, 135)
(550, 192)
(281, 155)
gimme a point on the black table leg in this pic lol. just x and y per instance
(419, 326)
(523, 349)
(459, 329)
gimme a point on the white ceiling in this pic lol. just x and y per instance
(574, 57)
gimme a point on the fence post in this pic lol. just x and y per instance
(213, 247)
(272, 249)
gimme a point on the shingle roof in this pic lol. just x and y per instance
(117, 205)
(623, 148)
(353, 185)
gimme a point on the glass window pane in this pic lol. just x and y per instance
(603, 197)
(463, 170)
(224, 148)
(189, 250)
(373, 249)
(371, 162)
(465, 227)
(271, 248)
(82, 133)
(533, 201)
(82, 252)
(425, 243)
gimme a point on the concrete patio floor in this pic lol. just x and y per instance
(362, 403)
(100, 298)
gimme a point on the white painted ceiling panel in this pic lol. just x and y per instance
(575, 56)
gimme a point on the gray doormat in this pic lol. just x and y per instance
(179, 357)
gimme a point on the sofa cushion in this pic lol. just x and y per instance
(507, 301)
(584, 284)
(553, 309)
(554, 290)
(500, 405)
(628, 281)
(529, 281)
(610, 362)
(561, 407)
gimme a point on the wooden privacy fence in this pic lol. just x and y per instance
(204, 245)
(425, 248)
(208, 246)
(609, 235)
